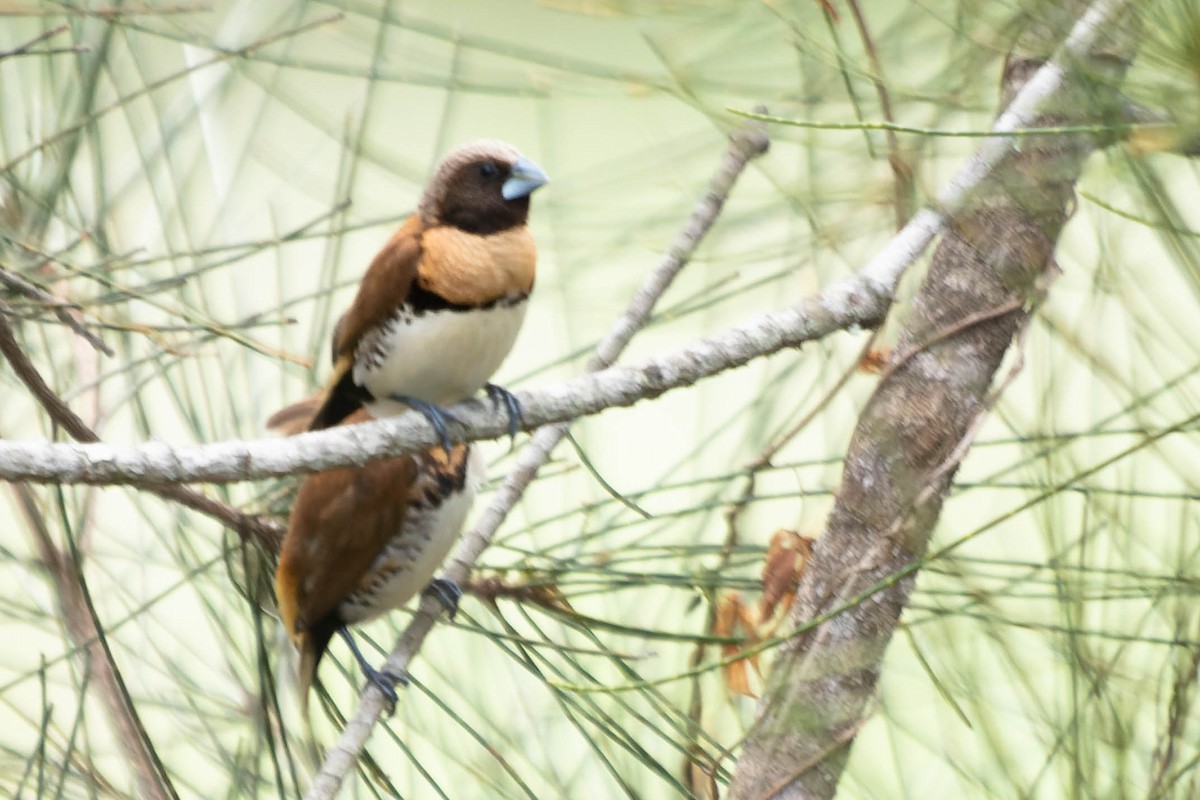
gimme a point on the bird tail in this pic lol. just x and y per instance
(308, 671)
(297, 417)
(312, 645)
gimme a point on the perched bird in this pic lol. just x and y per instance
(364, 540)
(437, 312)
(441, 304)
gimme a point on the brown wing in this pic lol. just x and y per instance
(384, 286)
(386, 283)
(340, 522)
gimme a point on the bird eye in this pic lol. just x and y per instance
(488, 170)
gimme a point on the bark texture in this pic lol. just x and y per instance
(993, 262)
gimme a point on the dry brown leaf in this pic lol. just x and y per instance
(875, 361)
(787, 555)
(735, 619)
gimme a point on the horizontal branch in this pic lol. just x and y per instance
(855, 301)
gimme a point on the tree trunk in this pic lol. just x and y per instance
(982, 284)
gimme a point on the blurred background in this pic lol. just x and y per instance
(208, 181)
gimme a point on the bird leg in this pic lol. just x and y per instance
(385, 682)
(436, 415)
(503, 397)
(446, 592)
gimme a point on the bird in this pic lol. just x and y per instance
(363, 540)
(440, 305)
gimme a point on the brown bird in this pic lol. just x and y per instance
(442, 302)
(364, 540)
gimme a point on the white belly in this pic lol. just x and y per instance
(440, 357)
(408, 564)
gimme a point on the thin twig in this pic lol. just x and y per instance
(745, 144)
(62, 308)
(149, 88)
(738, 508)
(947, 332)
(1179, 712)
(902, 172)
(27, 48)
(768, 454)
(104, 11)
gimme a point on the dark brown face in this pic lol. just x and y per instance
(473, 198)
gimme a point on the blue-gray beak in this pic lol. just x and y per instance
(526, 176)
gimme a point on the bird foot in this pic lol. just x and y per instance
(446, 592)
(386, 682)
(502, 397)
(436, 416)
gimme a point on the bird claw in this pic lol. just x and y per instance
(386, 682)
(502, 397)
(446, 592)
(435, 415)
